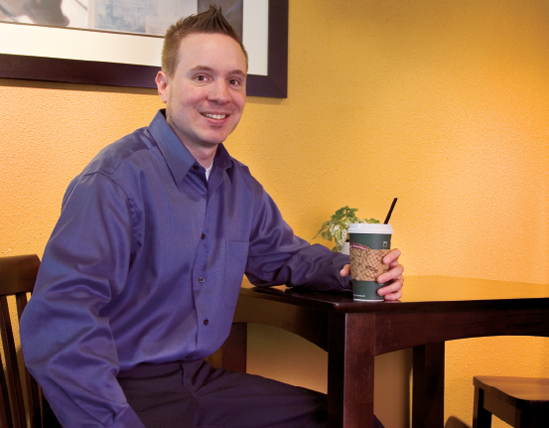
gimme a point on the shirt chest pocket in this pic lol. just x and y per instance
(236, 255)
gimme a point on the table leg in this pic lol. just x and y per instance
(351, 343)
(234, 350)
(428, 386)
(482, 418)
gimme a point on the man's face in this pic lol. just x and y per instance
(206, 95)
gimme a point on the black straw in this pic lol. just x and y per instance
(390, 211)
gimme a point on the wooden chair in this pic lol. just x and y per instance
(17, 277)
(521, 402)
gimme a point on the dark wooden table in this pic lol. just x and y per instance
(432, 311)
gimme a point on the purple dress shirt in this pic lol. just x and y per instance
(145, 266)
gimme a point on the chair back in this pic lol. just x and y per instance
(17, 278)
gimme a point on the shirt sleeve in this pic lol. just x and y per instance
(277, 256)
(66, 339)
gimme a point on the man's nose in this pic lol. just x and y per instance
(219, 92)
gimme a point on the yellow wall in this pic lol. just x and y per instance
(441, 103)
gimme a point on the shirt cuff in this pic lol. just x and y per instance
(127, 419)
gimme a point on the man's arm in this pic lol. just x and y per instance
(66, 338)
(277, 256)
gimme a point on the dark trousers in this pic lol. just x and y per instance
(194, 394)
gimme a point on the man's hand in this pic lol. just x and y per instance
(393, 291)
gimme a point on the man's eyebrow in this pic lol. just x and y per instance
(201, 68)
(207, 68)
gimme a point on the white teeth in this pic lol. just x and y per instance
(215, 116)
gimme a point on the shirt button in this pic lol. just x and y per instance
(201, 279)
(196, 167)
(203, 236)
(206, 322)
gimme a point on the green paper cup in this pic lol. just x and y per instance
(368, 245)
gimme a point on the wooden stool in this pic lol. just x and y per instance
(522, 402)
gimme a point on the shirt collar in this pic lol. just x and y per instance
(177, 156)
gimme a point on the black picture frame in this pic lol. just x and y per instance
(275, 84)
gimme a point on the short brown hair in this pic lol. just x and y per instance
(211, 21)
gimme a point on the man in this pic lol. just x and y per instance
(140, 278)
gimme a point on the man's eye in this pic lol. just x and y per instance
(200, 78)
(235, 82)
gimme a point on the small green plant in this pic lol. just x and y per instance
(336, 228)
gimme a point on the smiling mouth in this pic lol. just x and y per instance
(214, 116)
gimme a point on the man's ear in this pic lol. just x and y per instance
(162, 85)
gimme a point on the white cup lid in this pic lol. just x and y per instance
(381, 229)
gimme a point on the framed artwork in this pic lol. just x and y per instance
(47, 40)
